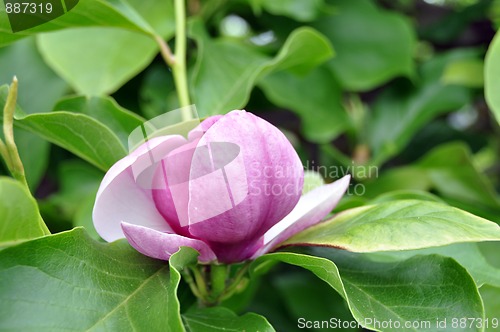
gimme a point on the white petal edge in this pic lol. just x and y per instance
(311, 209)
(120, 198)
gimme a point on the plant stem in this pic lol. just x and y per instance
(9, 149)
(178, 61)
(179, 69)
(218, 275)
(200, 282)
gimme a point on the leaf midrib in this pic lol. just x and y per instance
(125, 300)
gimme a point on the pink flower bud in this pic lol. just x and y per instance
(231, 192)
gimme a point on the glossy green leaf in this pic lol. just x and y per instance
(402, 110)
(70, 282)
(315, 97)
(300, 10)
(222, 319)
(115, 57)
(392, 291)
(19, 215)
(364, 37)
(147, 17)
(107, 111)
(399, 225)
(492, 77)
(78, 133)
(236, 67)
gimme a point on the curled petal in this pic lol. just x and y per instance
(161, 245)
(311, 209)
(124, 194)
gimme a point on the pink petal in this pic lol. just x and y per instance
(197, 132)
(311, 209)
(124, 194)
(250, 187)
(161, 245)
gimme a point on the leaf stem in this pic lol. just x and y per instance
(177, 61)
(9, 149)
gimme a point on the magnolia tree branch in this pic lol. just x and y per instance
(178, 61)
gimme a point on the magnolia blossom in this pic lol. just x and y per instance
(232, 190)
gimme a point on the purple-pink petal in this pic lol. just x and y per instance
(262, 184)
(311, 209)
(125, 194)
(162, 245)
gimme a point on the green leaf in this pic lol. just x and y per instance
(398, 225)
(19, 214)
(490, 296)
(105, 110)
(222, 319)
(315, 97)
(160, 15)
(397, 195)
(34, 153)
(304, 49)
(25, 62)
(134, 15)
(447, 169)
(74, 201)
(178, 261)
(393, 291)
(400, 178)
(116, 56)
(157, 91)
(70, 282)
(452, 173)
(469, 73)
(298, 288)
(401, 110)
(364, 37)
(492, 76)
(236, 67)
(300, 10)
(467, 254)
(77, 133)
(83, 216)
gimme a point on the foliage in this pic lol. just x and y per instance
(404, 95)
